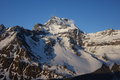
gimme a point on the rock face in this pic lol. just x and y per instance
(2, 28)
(58, 49)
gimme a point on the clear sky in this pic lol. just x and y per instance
(88, 15)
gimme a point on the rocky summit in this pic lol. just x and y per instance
(58, 49)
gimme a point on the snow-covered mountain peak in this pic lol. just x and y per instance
(55, 17)
(60, 21)
(58, 25)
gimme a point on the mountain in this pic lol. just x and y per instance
(58, 49)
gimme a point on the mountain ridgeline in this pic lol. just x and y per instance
(58, 49)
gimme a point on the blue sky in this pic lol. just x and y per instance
(88, 15)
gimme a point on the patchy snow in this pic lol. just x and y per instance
(7, 40)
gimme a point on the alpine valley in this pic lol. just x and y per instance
(58, 49)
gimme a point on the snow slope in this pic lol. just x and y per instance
(79, 64)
